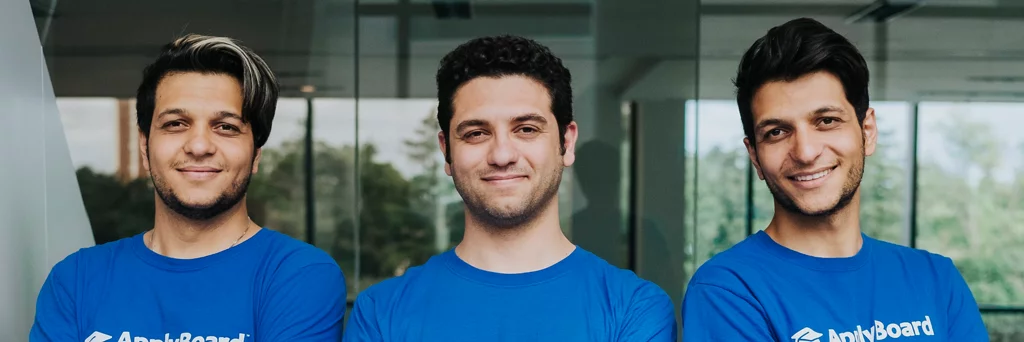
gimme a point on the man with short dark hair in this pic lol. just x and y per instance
(205, 272)
(507, 132)
(812, 275)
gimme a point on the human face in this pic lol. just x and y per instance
(199, 153)
(506, 157)
(809, 147)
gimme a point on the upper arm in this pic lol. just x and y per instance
(362, 323)
(713, 313)
(307, 304)
(651, 316)
(55, 318)
(965, 322)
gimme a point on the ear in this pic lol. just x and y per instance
(752, 152)
(444, 152)
(144, 150)
(256, 160)
(571, 135)
(870, 130)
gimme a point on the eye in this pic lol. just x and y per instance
(529, 130)
(828, 122)
(173, 125)
(474, 136)
(227, 127)
(774, 133)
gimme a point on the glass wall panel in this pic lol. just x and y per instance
(970, 204)
(662, 181)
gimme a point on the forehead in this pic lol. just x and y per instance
(193, 89)
(498, 98)
(799, 97)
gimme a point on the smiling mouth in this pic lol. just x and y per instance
(814, 176)
(501, 179)
(199, 174)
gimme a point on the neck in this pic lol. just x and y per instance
(176, 236)
(533, 246)
(834, 236)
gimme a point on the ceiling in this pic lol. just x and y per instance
(954, 49)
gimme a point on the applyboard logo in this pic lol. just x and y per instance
(98, 337)
(184, 337)
(876, 332)
(806, 335)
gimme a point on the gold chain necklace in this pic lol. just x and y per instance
(246, 231)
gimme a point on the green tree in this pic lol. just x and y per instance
(967, 213)
(392, 234)
(115, 209)
(883, 203)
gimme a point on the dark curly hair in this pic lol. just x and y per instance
(794, 49)
(499, 56)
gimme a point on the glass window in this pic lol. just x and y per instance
(721, 171)
(883, 188)
(277, 192)
(971, 193)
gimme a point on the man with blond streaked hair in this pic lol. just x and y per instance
(205, 271)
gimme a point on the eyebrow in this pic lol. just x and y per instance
(180, 111)
(518, 119)
(469, 123)
(816, 113)
(229, 115)
(172, 111)
(827, 109)
(530, 117)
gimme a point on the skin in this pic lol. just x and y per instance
(810, 151)
(200, 157)
(506, 162)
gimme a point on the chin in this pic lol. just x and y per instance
(204, 200)
(506, 204)
(819, 208)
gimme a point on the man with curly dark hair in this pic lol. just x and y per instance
(507, 131)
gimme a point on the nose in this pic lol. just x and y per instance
(199, 143)
(503, 151)
(806, 147)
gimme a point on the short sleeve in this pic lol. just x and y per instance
(965, 323)
(651, 316)
(362, 323)
(713, 313)
(55, 318)
(307, 304)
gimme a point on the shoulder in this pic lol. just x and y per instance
(394, 288)
(289, 263)
(918, 262)
(630, 289)
(730, 268)
(286, 253)
(94, 259)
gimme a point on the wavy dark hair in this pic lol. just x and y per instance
(792, 50)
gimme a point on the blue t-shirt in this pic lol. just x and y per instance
(580, 298)
(270, 287)
(759, 290)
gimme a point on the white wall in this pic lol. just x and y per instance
(42, 218)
